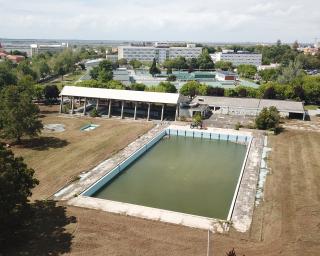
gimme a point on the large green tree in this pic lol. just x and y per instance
(268, 119)
(19, 116)
(223, 65)
(247, 71)
(103, 72)
(16, 182)
(193, 88)
(7, 76)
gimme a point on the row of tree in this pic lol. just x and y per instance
(305, 89)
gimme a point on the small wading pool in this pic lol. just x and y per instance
(89, 127)
(193, 174)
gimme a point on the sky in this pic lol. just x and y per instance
(162, 20)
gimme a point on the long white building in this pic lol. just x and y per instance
(238, 58)
(43, 48)
(158, 52)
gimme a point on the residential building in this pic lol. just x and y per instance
(112, 57)
(159, 51)
(15, 58)
(44, 48)
(237, 58)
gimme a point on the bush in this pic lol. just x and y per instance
(237, 126)
(94, 113)
(268, 119)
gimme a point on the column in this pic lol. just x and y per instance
(177, 113)
(109, 112)
(135, 111)
(85, 106)
(304, 116)
(122, 107)
(61, 103)
(72, 105)
(97, 105)
(148, 117)
(162, 112)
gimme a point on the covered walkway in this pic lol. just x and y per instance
(122, 103)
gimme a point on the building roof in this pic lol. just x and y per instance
(250, 103)
(127, 95)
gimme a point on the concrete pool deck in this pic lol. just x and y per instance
(241, 212)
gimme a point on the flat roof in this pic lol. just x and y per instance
(127, 95)
(251, 103)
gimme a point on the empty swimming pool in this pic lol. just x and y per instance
(190, 175)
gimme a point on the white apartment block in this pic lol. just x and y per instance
(44, 48)
(238, 58)
(160, 53)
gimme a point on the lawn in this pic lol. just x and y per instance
(58, 158)
(311, 107)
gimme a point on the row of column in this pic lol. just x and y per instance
(122, 108)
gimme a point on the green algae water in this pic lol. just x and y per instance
(190, 175)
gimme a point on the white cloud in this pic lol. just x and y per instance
(202, 20)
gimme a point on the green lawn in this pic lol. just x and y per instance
(311, 107)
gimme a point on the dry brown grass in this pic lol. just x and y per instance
(58, 158)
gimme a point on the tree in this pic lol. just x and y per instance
(269, 93)
(51, 92)
(223, 65)
(103, 72)
(295, 45)
(138, 87)
(64, 62)
(135, 63)
(204, 60)
(154, 69)
(18, 115)
(123, 62)
(197, 119)
(171, 78)
(24, 69)
(16, 182)
(167, 87)
(215, 91)
(268, 119)
(291, 72)
(193, 88)
(270, 74)
(247, 71)
(7, 76)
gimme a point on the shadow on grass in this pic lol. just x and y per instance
(44, 143)
(44, 233)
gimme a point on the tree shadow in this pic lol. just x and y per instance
(44, 233)
(44, 143)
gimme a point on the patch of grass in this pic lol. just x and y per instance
(311, 107)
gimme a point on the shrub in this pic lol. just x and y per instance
(268, 119)
(94, 113)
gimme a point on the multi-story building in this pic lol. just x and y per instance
(238, 58)
(44, 48)
(160, 52)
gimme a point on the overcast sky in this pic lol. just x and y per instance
(190, 20)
